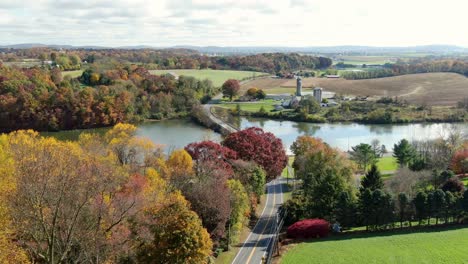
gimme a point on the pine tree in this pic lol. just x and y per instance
(372, 180)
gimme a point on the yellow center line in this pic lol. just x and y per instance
(268, 222)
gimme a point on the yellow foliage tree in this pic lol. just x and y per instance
(176, 234)
(9, 251)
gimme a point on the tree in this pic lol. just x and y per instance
(459, 163)
(377, 148)
(437, 203)
(420, 204)
(264, 148)
(216, 154)
(310, 105)
(403, 210)
(180, 165)
(231, 88)
(453, 185)
(364, 155)
(372, 180)
(345, 211)
(173, 234)
(403, 152)
(240, 209)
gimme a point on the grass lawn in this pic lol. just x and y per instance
(72, 74)
(429, 246)
(218, 77)
(251, 106)
(387, 164)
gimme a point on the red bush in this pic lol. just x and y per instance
(309, 228)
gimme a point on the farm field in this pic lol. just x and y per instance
(72, 74)
(429, 246)
(250, 106)
(218, 77)
(444, 89)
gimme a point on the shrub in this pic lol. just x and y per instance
(309, 228)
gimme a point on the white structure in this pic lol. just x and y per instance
(299, 86)
(318, 94)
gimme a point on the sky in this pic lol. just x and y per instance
(292, 23)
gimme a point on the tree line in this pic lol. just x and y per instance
(427, 193)
(459, 66)
(275, 63)
(41, 99)
(115, 198)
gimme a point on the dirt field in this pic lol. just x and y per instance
(430, 88)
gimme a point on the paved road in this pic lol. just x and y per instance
(256, 243)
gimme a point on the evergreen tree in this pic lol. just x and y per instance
(403, 152)
(403, 204)
(420, 204)
(372, 180)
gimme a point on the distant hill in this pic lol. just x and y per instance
(347, 49)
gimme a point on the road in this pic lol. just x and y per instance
(257, 242)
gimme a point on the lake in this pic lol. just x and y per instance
(346, 135)
(176, 134)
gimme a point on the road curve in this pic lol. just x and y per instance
(256, 244)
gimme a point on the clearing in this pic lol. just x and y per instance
(439, 88)
(72, 74)
(447, 245)
(218, 77)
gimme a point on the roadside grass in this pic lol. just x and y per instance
(250, 106)
(387, 164)
(218, 77)
(434, 245)
(72, 74)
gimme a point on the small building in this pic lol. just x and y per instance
(318, 94)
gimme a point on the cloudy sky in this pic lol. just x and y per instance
(234, 22)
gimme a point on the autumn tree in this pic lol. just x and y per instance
(231, 88)
(10, 252)
(208, 152)
(459, 163)
(240, 209)
(172, 234)
(264, 148)
(180, 165)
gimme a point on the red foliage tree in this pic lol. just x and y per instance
(459, 162)
(209, 152)
(309, 228)
(253, 144)
(231, 88)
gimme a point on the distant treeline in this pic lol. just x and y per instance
(40, 99)
(180, 59)
(416, 66)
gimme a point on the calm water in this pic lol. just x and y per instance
(175, 134)
(346, 135)
(172, 134)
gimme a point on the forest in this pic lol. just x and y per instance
(41, 99)
(173, 59)
(423, 65)
(129, 203)
(425, 190)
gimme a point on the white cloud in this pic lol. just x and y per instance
(234, 22)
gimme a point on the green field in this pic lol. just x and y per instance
(72, 74)
(465, 181)
(429, 246)
(218, 77)
(251, 106)
(386, 164)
